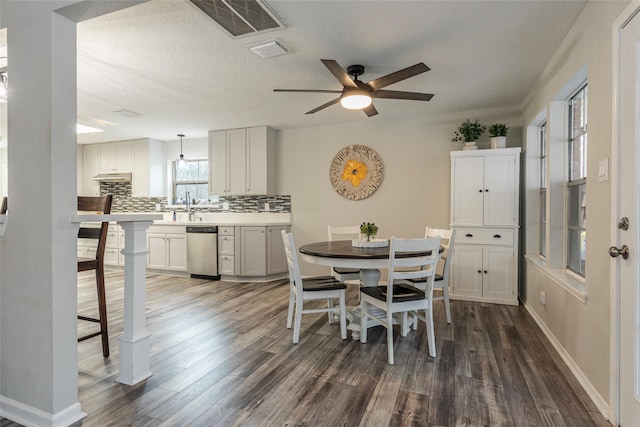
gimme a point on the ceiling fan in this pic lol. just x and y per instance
(358, 95)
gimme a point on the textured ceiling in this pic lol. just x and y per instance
(172, 64)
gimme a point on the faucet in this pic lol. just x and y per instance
(190, 215)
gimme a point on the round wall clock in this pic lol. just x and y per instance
(356, 172)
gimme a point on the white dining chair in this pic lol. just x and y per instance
(441, 280)
(399, 295)
(349, 232)
(311, 289)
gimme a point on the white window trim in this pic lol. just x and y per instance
(566, 279)
(554, 265)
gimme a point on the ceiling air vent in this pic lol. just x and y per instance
(240, 17)
(269, 48)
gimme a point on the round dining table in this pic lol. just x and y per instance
(342, 253)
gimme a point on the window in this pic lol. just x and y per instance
(577, 183)
(192, 178)
(543, 188)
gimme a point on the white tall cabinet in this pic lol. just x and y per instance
(485, 188)
(242, 161)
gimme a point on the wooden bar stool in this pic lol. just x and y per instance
(100, 204)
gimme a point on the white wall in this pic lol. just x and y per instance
(192, 148)
(582, 329)
(415, 188)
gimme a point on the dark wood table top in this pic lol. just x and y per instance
(344, 249)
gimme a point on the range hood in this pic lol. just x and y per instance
(112, 177)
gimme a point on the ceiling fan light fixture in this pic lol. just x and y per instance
(355, 99)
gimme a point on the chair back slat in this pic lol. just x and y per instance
(295, 277)
(349, 232)
(447, 238)
(98, 204)
(422, 268)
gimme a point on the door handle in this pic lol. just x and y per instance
(623, 224)
(623, 251)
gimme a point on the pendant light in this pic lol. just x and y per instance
(182, 162)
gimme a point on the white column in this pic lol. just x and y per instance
(38, 338)
(134, 342)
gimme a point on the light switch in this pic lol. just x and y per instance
(603, 170)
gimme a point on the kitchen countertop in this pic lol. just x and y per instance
(229, 219)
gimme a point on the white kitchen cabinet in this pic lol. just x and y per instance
(276, 260)
(484, 187)
(242, 161)
(167, 248)
(260, 251)
(148, 175)
(226, 251)
(484, 211)
(253, 251)
(113, 246)
(484, 270)
(90, 168)
(115, 157)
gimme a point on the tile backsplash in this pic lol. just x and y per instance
(123, 202)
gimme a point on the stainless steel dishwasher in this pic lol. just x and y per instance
(202, 251)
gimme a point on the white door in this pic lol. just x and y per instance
(627, 195)
(237, 162)
(177, 252)
(218, 163)
(500, 201)
(468, 190)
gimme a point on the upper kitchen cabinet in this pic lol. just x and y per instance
(90, 168)
(243, 161)
(115, 157)
(484, 187)
(148, 172)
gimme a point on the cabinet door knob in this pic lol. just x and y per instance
(485, 272)
(497, 236)
(480, 271)
(486, 190)
(468, 235)
(480, 190)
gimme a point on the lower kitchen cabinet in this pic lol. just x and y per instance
(253, 256)
(261, 251)
(112, 255)
(276, 259)
(484, 267)
(226, 251)
(167, 248)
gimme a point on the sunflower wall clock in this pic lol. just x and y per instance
(356, 172)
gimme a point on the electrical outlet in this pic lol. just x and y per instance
(158, 207)
(543, 299)
(225, 206)
(266, 206)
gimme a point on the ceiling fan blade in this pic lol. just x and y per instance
(308, 90)
(396, 94)
(370, 110)
(338, 72)
(405, 73)
(323, 106)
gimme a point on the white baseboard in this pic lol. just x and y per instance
(591, 391)
(30, 416)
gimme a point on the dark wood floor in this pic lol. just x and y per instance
(222, 356)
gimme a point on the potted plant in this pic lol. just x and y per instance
(469, 132)
(369, 229)
(498, 134)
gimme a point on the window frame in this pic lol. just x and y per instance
(175, 183)
(576, 182)
(542, 169)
